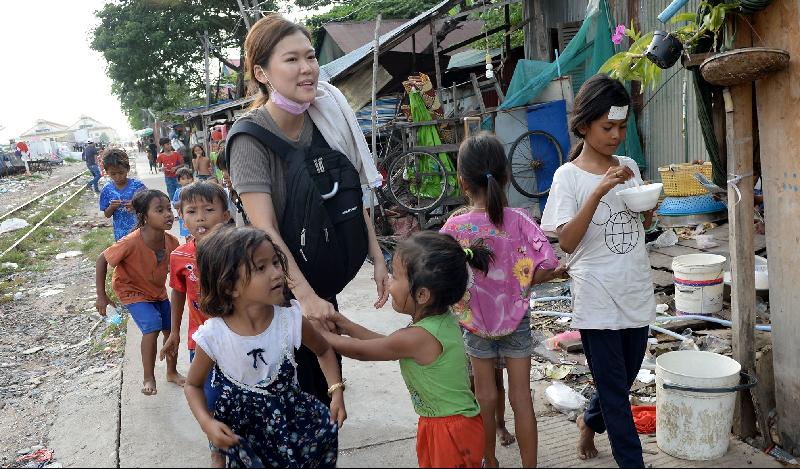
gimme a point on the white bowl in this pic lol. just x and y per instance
(762, 274)
(642, 198)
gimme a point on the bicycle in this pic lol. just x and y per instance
(528, 163)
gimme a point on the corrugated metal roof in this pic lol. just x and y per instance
(333, 70)
(214, 108)
(471, 58)
(349, 36)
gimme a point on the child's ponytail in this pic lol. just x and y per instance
(496, 200)
(438, 262)
(479, 255)
(576, 150)
(483, 167)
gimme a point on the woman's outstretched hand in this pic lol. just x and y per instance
(382, 283)
(318, 311)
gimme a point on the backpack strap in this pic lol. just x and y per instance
(278, 145)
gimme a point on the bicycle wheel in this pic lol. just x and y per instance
(527, 161)
(417, 181)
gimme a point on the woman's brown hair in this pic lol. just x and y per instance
(259, 46)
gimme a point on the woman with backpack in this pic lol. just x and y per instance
(301, 167)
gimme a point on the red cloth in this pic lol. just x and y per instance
(644, 417)
(183, 278)
(454, 441)
(171, 161)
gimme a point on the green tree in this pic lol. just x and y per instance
(154, 52)
(362, 10)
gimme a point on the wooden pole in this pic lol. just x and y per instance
(536, 40)
(375, 57)
(778, 115)
(208, 69)
(436, 61)
(739, 139)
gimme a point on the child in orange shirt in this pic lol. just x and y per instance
(203, 206)
(141, 264)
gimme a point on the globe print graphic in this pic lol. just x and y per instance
(622, 234)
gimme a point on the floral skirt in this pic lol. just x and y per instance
(278, 425)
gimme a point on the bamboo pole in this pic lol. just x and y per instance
(375, 56)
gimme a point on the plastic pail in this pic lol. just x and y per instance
(695, 396)
(698, 283)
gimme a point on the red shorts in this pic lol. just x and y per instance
(455, 441)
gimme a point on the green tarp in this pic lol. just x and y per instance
(427, 136)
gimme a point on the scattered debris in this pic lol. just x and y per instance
(9, 265)
(646, 376)
(564, 399)
(666, 239)
(557, 372)
(50, 292)
(569, 341)
(68, 254)
(33, 350)
(782, 455)
(13, 224)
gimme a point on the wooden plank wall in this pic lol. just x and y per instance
(778, 101)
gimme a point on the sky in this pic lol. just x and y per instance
(49, 70)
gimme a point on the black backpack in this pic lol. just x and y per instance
(326, 234)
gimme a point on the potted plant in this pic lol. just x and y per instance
(658, 50)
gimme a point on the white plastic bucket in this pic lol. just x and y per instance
(695, 397)
(698, 283)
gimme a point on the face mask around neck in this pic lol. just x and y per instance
(287, 104)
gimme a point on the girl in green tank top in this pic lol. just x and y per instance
(429, 276)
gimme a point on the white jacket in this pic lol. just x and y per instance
(337, 122)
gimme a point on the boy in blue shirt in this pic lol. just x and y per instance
(185, 177)
(115, 199)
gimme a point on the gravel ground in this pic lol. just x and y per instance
(52, 342)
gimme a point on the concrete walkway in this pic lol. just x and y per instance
(160, 431)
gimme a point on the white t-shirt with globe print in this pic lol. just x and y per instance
(612, 286)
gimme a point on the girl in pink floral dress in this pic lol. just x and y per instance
(494, 311)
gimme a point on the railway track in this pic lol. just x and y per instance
(48, 215)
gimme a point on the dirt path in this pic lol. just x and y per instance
(57, 358)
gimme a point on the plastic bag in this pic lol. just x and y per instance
(706, 242)
(665, 240)
(564, 398)
(13, 224)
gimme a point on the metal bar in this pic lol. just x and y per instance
(20, 207)
(41, 222)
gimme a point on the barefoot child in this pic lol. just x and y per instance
(203, 206)
(201, 163)
(141, 264)
(261, 417)
(430, 275)
(494, 311)
(613, 301)
(116, 196)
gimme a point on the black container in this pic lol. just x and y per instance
(664, 50)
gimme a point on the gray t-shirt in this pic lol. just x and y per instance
(254, 168)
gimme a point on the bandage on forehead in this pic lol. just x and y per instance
(618, 113)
